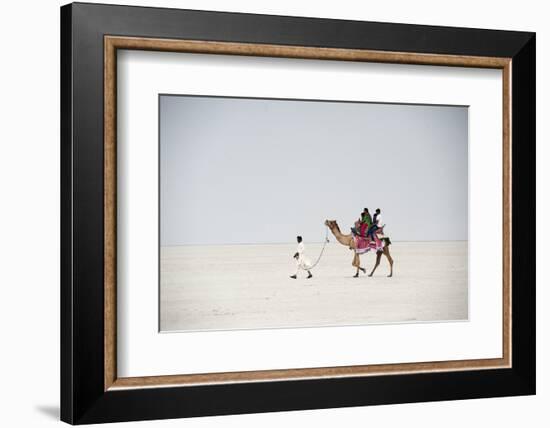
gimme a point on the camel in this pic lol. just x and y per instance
(349, 242)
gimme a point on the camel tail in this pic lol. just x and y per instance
(387, 241)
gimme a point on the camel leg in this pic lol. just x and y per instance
(390, 259)
(378, 257)
(357, 264)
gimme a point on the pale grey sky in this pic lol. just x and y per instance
(240, 171)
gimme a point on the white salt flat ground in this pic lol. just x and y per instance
(248, 286)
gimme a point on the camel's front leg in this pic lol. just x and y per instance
(357, 264)
(378, 257)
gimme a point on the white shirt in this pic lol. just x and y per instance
(302, 261)
(379, 220)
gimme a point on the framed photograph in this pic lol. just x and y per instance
(266, 213)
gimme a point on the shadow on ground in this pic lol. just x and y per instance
(50, 411)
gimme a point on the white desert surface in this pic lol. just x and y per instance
(248, 286)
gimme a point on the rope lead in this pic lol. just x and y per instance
(322, 249)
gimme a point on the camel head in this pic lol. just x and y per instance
(331, 224)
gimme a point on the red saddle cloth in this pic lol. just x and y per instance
(364, 245)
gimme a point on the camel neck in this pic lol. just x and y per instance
(343, 239)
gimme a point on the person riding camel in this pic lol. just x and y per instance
(362, 224)
(357, 225)
(376, 224)
(366, 222)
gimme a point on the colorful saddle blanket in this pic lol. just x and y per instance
(364, 245)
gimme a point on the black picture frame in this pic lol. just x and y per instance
(83, 397)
